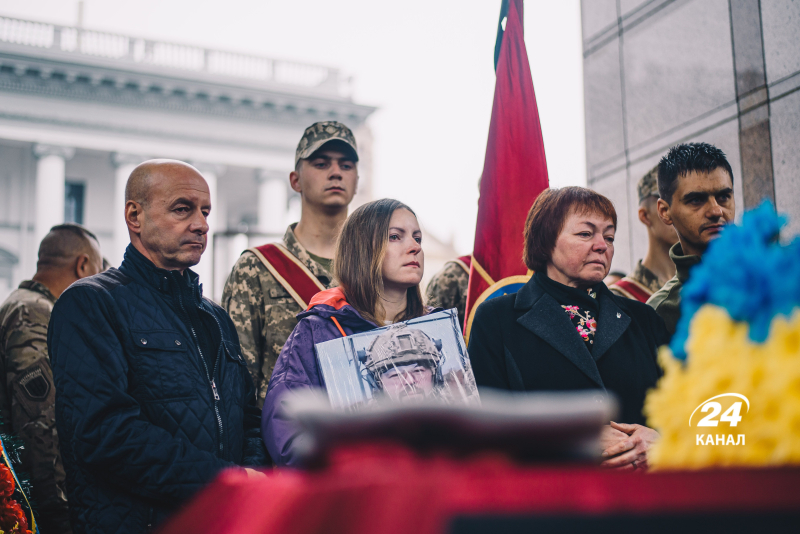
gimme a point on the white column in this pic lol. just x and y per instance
(237, 244)
(206, 266)
(295, 209)
(50, 175)
(273, 200)
(124, 163)
(226, 253)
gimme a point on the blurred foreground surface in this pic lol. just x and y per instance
(383, 488)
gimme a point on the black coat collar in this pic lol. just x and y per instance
(138, 267)
(544, 317)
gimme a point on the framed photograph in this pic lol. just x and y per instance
(421, 359)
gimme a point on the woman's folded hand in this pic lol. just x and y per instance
(629, 452)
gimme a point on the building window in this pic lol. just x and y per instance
(7, 263)
(74, 194)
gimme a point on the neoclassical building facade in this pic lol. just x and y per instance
(80, 108)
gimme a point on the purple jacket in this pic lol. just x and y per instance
(297, 366)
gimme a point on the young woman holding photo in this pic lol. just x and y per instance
(379, 264)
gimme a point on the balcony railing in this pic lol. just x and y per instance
(171, 55)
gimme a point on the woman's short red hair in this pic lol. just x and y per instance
(548, 214)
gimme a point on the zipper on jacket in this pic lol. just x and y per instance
(210, 377)
(217, 398)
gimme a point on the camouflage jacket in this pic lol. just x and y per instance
(263, 311)
(667, 300)
(27, 401)
(644, 277)
(448, 289)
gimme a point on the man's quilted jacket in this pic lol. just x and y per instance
(144, 420)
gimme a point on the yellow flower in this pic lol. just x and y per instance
(722, 359)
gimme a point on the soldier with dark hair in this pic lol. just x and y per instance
(27, 397)
(695, 185)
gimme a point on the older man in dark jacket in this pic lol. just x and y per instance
(153, 397)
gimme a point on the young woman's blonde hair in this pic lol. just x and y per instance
(358, 262)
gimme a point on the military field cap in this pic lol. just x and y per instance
(648, 185)
(320, 133)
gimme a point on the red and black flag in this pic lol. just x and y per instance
(514, 170)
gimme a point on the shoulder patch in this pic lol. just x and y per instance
(33, 389)
(34, 384)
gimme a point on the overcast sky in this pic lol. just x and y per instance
(427, 64)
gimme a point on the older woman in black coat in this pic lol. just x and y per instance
(564, 330)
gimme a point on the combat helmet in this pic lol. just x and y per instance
(401, 345)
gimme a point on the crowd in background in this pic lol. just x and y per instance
(131, 390)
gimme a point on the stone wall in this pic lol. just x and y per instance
(662, 72)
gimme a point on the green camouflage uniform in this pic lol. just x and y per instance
(448, 289)
(263, 311)
(667, 300)
(27, 402)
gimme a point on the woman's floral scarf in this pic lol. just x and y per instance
(580, 304)
(585, 324)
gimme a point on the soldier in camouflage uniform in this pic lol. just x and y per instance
(326, 176)
(27, 395)
(656, 268)
(448, 289)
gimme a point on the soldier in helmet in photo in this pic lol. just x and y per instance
(405, 364)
